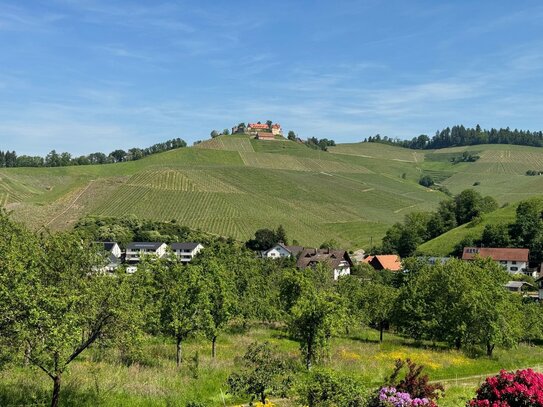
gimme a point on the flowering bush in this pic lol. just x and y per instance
(390, 397)
(524, 388)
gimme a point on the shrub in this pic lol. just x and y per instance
(524, 388)
(413, 390)
(324, 388)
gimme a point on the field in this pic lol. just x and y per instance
(99, 379)
(233, 185)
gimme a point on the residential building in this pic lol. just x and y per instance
(281, 251)
(519, 286)
(390, 262)
(113, 256)
(186, 251)
(276, 129)
(338, 260)
(135, 250)
(512, 259)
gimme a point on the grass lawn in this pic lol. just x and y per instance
(99, 379)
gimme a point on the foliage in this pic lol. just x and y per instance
(460, 303)
(266, 238)
(54, 159)
(62, 303)
(326, 388)
(426, 181)
(263, 372)
(322, 144)
(462, 136)
(315, 317)
(519, 389)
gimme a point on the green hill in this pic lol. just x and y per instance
(233, 185)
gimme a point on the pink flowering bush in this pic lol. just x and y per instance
(524, 388)
(390, 397)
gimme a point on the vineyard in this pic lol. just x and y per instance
(233, 185)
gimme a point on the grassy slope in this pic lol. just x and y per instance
(233, 185)
(99, 379)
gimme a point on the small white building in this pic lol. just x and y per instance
(185, 252)
(135, 250)
(512, 259)
(338, 260)
(282, 251)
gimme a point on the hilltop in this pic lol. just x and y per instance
(233, 185)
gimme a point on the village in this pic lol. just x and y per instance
(513, 260)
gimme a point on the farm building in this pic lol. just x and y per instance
(390, 262)
(264, 136)
(338, 260)
(514, 260)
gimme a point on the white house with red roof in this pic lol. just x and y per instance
(514, 260)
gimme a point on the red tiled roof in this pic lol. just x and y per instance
(497, 254)
(276, 126)
(258, 126)
(389, 261)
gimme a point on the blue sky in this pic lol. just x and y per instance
(96, 75)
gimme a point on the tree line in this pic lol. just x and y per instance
(63, 159)
(461, 136)
(403, 238)
(525, 232)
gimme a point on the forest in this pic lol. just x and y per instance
(10, 159)
(457, 136)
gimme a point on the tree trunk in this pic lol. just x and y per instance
(308, 356)
(179, 354)
(458, 343)
(489, 349)
(56, 391)
(263, 398)
(213, 343)
(381, 328)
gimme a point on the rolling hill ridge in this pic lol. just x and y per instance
(233, 185)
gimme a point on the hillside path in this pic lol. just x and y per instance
(71, 204)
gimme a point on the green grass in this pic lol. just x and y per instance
(98, 378)
(233, 185)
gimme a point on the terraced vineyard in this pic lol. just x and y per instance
(233, 185)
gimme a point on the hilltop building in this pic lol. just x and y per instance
(255, 128)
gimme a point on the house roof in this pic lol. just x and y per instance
(184, 246)
(389, 261)
(276, 126)
(497, 254)
(310, 257)
(258, 125)
(109, 246)
(143, 245)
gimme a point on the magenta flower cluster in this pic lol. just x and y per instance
(390, 397)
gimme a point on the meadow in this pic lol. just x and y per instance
(234, 185)
(98, 378)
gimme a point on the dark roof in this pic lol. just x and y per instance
(310, 257)
(144, 245)
(497, 254)
(184, 246)
(113, 259)
(108, 246)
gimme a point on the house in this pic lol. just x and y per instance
(518, 286)
(390, 262)
(113, 255)
(514, 260)
(338, 260)
(185, 252)
(135, 250)
(276, 129)
(264, 136)
(539, 283)
(281, 251)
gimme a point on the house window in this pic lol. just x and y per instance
(513, 262)
(513, 268)
(503, 262)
